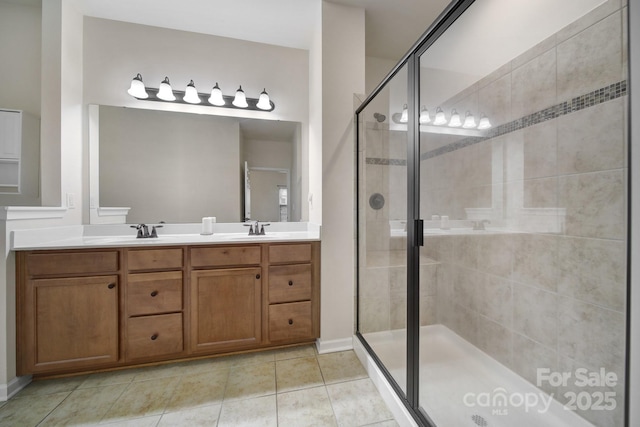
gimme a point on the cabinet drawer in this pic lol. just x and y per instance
(84, 262)
(289, 283)
(154, 335)
(152, 293)
(226, 256)
(149, 259)
(300, 252)
(290, 321)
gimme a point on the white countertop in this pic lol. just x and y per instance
(101, 236)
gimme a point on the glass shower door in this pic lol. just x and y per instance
(382, 210)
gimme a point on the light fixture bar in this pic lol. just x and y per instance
(204, 98)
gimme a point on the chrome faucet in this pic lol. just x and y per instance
(479, 225)
(143, 230)
(258, 230)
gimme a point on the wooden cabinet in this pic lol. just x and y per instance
(154, 321)
(82, 310)
(293, 295)
(226, 309)
(67, 323)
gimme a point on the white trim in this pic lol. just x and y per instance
(397, 408)
(113, 211)
(7, 391)
(17, 213)
(331, 346)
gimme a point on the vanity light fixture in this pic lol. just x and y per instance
(240, 100)
(137, 89)
(192, 96)
(165, 92)
(484, 122)
(455, 121)
(424, 116)
(440, 119)
(469, 121)
(404, 118)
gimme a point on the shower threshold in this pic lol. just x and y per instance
(460, 385)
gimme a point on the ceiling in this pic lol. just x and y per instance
(391, 27)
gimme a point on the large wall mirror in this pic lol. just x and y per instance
(180, 167)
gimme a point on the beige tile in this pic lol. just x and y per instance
(261, 411)
(374, 314)
(375, 282)
(143, 398)
(540, 193)
(534, 52)
(295, 352)
(357, 403)
(136, 422)
(255, 358)
(529, 356)
(29, 411)
(580, 24)
(295, 374)
(203, 416)
(535, 314)
(533, 85)
(85, 406)
(595, 204)
(540, 150)
(389, 423)
(109, 378)
(205, 365)
(495, 253)
(495, 340)
(398, 311)
(250, 381)
(156, 372)
(465, 288)
(57, 385)
(591, 59)
(428, 310)
(535, 260)
(340, 366)
(428, 280)
(200, 389)
(495, 299)
(310, 407)
(464, 322)
(591, 334)
(592, 139)
(397, 280)
(593, 270)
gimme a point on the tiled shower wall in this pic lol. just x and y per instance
(554, 298)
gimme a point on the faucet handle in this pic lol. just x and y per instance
(262, 228)
(154, 232)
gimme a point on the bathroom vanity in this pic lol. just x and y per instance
(109, 303)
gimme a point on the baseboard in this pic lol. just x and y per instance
(7, 391)
(331, 346)
(397, 408)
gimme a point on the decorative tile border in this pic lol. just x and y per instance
(598, 96)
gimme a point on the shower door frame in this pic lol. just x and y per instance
(414, 223)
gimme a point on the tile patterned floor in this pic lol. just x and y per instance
(291, 387)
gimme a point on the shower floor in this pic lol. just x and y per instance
(458, 383)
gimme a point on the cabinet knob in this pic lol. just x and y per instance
(154, 337)
(257, 276)
(291, 321)
(290, 282)
(154, 293)
(111, 285)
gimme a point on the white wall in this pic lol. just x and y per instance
(20, 34)
(343, 75)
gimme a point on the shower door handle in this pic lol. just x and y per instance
(419, 228)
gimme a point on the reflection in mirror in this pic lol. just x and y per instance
(180, 167)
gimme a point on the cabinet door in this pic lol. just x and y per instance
(73, 323)
(225, 309)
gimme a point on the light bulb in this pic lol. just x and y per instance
(240, 99)
(216, 96)
(165, 92)
(137, 89)
(455, 121)
(404, 118)
(469, 121)
(264, 103)
(484, 123)
(191, 94)
(424, 115)
(440, 119)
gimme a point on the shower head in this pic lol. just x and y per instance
(379, 117)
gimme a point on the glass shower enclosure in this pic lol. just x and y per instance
(492, 217)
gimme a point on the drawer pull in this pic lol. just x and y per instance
(111, 285)
(291, 321)
(154, 337)
(290, 282)
(257, 276)
(154, 293)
